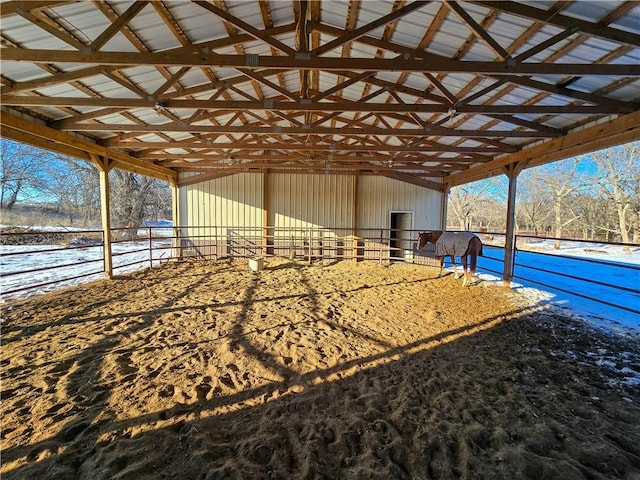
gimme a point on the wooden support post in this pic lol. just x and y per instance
(356, 187)
(175, 218)
(512, 172)
(444, 207)
(265, 213)
(103, 168)
(150, 248)
(355, 249)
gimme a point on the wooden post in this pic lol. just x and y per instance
(444, 207)
(265, 213)
(175, 218)
(355, 249)
(103, 168)
(150, 249)
(512, 172)
(356, 187)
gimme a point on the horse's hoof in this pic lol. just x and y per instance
(456, 277)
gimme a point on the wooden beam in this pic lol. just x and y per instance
(480, 32)
(240, 24)
(266, 213)
(104, 166)
(11, 8)
(120, 22)
(564, 21)
(273, 130)
(512, 171)
(203, 177)
(315, 146)
(355, 34)
(45, 144)
(444, 205)
(50, 27)
(124, 161)
(614, 132)
(428, 63)
(405, 177)
(604, 106)
(186, 51)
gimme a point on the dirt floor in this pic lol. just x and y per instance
(331, 371)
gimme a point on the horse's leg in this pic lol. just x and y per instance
(474, 265)
(455, 268)
(441, 266)
(464, 271)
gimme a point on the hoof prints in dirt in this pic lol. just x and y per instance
(203, 371)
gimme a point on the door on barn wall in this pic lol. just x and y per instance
(400, 235)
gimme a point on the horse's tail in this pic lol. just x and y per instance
(474, 258)
(474, 263)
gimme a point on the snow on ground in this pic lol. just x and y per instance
(605, 272)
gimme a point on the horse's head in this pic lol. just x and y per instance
(423, 239)
(427, 237)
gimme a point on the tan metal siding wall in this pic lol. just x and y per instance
(223, 213)
(235, 200)
(380, 195)
(303, 201)
(238, 200)
(196, 207)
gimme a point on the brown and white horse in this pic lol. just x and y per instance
(451, 247)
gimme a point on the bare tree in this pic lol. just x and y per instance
(21, 172)
(133, 197)
(561, 181)
(468, 202)
(72, 186)
(75, 188)
(532, 210)
(618, 179)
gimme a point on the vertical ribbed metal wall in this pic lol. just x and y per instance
(302, 201)
(231, 201)
(378, 196)
(232, 206)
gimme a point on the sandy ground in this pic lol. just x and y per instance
(331, 371)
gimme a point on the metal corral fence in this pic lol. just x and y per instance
(38, 261)
(65, 257)
(307, 243)
(578, 267)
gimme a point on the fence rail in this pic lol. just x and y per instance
(38, 268)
